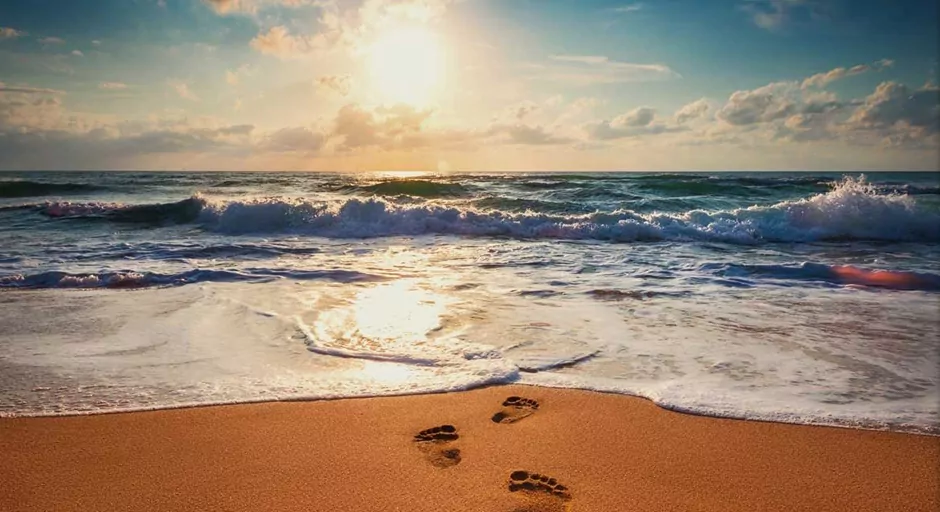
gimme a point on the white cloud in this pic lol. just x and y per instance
(112, 86)
(78, 53)
(182, 89)
(641, 116)
(10, 33)
(278, 41)
(342, 24)
(599, 69)
(25, 108)
(116, 145)
(893, 102)
(824, 79)
(300, 139)
(4, 88)
(96, 42)
(774, 15)
(692, 111)
(52, 40)
(384, 127)
(253, 6)
(227, 6)
(582, 59)
(529, 135)
(761, 105)
(637, 122)
(627, 8)
(893, 115)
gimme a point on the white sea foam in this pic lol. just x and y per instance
(852, 210)
(237, 342)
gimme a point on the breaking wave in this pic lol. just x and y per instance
(851, 210)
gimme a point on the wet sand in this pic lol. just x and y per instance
(577, 451)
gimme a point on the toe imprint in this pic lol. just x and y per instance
(514, 409)
(442, 433)
(537, 483)
(438, 445)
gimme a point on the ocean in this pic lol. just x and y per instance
(795, 297)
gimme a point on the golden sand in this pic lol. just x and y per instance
(577, 451)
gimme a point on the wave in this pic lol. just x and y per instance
(730, 186)
(909, 189)
(418, 188)
(511, 204)
(169, 251)
(830, 274)
(852, 210)
(23, 188)
(131, 279)
(20, 207)
(180, 212)
(536, 364)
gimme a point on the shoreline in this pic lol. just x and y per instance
(609, 452)
(905, 429)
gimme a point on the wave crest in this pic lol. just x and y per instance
(852, 210)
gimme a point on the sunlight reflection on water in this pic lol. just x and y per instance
(400, 318)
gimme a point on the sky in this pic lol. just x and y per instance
(469, 85)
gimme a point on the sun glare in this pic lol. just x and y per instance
(406, 64)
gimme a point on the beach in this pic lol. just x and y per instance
(607, 452)
(469, 256)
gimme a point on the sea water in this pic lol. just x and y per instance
(805, 298)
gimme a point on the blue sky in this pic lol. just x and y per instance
(469, 84)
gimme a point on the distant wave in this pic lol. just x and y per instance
(175, 251)
(132, 279)
(419, 188)
(511, 204)
(851, 210)
(909, 189)
(699, 185)
(22, 188)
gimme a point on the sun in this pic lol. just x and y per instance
(406, 65)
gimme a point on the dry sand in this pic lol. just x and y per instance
(609, 452)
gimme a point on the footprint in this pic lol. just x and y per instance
(438, 444)
(543, 493)
(514, 409)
